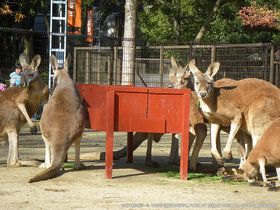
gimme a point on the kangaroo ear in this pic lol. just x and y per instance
(213, 69)
(194, 70)
(35, 62)
(67, 62)
(174, 63)
(54, 62)
(187, 67)
(22, 59)
(172, 73)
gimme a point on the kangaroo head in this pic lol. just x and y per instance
(30, 72)
(179, 77)
(251, 170)
(58, 71)
(204, 82)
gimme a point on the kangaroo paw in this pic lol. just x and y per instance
(81, 167)
(43, 165)
(220, 161)
(227, 156)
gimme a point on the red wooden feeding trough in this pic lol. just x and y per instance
(137, 109)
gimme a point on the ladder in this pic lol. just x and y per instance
(58, 30)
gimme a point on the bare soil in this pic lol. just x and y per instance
(134, 186)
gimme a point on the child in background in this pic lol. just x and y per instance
(15, 76)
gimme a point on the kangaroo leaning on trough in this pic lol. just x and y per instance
(62, 122)
(265, 152)
(179, 78)
(19, 103)
(198, 128)
(250, 105)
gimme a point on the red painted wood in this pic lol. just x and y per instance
(185, 137)
(137, 109)
(110, 110)
(148, 125)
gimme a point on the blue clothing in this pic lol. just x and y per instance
(15, 79)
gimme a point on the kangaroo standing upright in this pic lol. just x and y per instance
(62, 122)
(250, 105)
(19, 103)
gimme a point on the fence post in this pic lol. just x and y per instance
(191, 51)
(266, 62)
(161, 63)
(213, 54)
(271, 75)
(109, 75)
(75, 66)
(98, 68)
(87, 69)
(115, 65)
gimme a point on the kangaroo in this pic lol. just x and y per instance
(265, 152)
(62, 122)
(250, 105)
(19, 103)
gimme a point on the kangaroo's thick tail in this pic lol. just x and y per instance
(57, 159)
(46, 174)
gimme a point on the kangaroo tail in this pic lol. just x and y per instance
(46, 174)
(57, 160)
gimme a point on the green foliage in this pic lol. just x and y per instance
(68, 165)
(155, 25)
(157, 21)
(200, 177)
(28, 9)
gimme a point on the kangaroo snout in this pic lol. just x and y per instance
(203, 94)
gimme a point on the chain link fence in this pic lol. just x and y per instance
(103, 65)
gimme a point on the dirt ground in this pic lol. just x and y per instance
(134, 186)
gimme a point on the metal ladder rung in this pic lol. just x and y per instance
(59, 2)
(57, 50)
(59, 18)
(57, 34)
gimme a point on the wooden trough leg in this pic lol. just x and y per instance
(109, 134)
(184, 156)
(185, 139)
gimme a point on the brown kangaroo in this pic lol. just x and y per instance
(266, 152)
(19, 103)
(249, 104)
(62, 122)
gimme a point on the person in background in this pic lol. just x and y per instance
(2, 85)
(15, 75)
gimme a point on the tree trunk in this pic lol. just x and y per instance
(27, 39)
(207, 22)
(128, 65)
(44, 9)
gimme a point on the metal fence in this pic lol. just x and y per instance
(103, 65)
